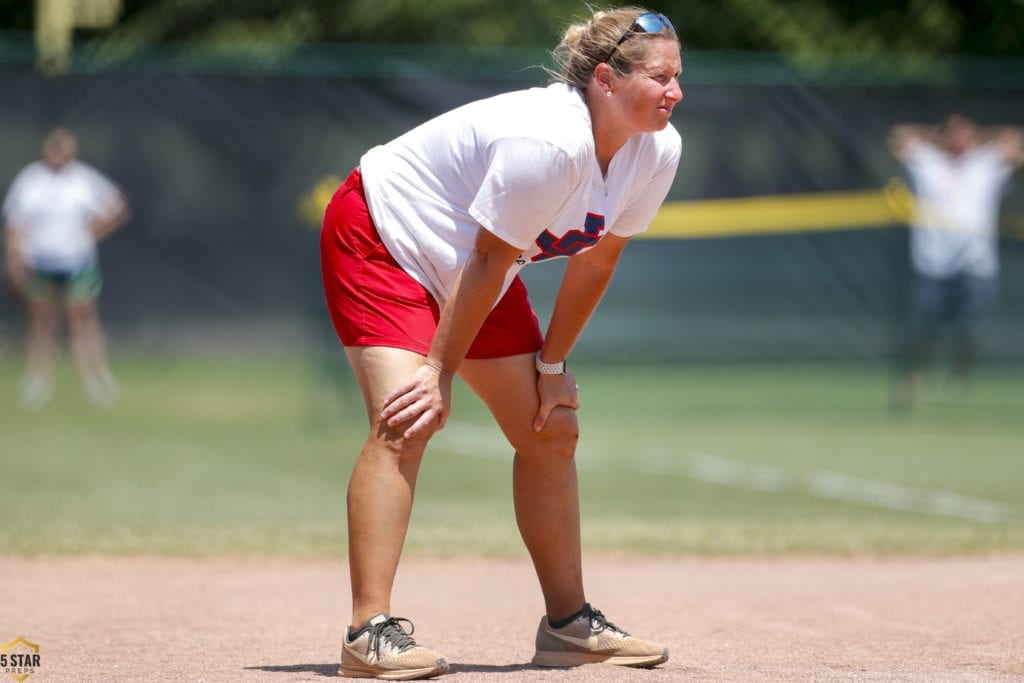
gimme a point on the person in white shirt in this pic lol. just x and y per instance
(958, 173)
(56, 211)
(420, 250)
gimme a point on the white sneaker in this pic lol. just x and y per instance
(36, 391)
(383, 649)
(592, 639)
(101, 389)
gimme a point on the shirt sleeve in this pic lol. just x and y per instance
(103, 193)
(1001, 168)
(525, 185)
(920, 156)
(12, 200)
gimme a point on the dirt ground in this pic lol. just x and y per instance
(148, 619)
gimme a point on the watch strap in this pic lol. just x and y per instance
(550, 368)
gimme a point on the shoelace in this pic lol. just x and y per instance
(599, 622)
(392, 632)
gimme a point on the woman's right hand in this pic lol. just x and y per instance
(425, 400)
(17, 271)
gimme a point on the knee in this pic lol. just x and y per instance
(82, 319)
(559, 437)
(392, 441)
(43, 316)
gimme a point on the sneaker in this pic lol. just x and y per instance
(591, 639)
(101, 389)
(383, 649)
(36, 391)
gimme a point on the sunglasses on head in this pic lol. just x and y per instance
(648, 22)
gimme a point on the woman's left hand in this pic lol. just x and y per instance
(554, 391)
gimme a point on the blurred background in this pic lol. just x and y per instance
(227, 123)
(743, 353)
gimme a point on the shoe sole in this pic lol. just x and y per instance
(563, 660)
(439, 669)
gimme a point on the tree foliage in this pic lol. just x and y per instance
(854, 27)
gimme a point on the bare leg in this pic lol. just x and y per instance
(89, 349)
(546, 497)
(40, 351)
(382, 485)
(545, 488)
(42, 336)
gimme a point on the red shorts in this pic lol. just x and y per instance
(373, 302)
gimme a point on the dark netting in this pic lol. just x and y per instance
(227, 164)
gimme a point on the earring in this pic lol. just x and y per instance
(609, 93)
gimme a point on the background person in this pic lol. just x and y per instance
(958, 173)
(56, 211)
(420, 249)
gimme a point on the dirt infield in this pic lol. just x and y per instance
(147, 619)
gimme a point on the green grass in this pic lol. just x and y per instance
(207, 457)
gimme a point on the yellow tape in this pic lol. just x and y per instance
(1015, 228)
(771, 214)
(784, 213)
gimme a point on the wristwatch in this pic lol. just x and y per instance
(550, 368)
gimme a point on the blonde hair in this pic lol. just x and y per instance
(587, 44)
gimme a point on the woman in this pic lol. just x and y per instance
(420, 252)
(56, 212)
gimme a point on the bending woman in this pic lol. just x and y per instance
(421, 249)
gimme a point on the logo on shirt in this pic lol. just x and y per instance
(571, 242)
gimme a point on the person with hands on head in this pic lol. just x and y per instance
(421, 249)
(958, 172)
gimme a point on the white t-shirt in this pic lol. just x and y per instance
(53, 209)
(522, 165)
(956, 220)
